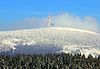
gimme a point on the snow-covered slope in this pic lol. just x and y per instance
(50, 40)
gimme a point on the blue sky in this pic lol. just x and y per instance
(14, 10)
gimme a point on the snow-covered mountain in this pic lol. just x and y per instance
(50, 40)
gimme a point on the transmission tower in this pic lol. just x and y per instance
(49, 24)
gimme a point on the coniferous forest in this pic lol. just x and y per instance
(49, 61)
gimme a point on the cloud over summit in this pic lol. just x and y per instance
(60, 20)
(69, 20)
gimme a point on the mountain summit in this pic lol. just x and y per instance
(50, 40)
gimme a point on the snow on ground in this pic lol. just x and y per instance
(51, 40)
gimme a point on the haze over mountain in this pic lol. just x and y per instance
(59, 20)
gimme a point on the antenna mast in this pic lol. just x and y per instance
(49, 24)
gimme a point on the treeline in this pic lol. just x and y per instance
(49, 61)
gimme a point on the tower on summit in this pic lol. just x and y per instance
(49, 24)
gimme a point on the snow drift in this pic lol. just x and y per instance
(50, 40)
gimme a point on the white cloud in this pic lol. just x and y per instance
(68, 20)
(28, 23)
